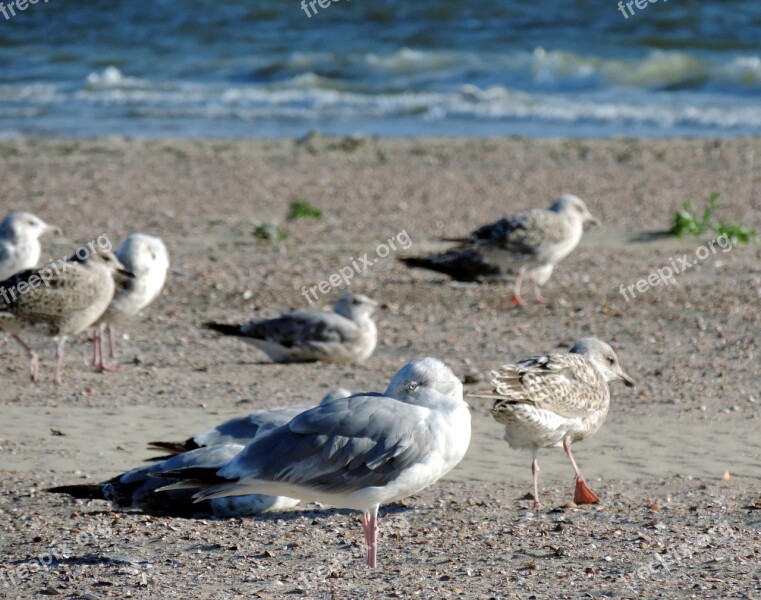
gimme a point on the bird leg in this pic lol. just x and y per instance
(370, 529)
(34, 359)
(516, 300)
(582, 494)
(97, 357)
(537, 293)
(535, 475)
(59, 360)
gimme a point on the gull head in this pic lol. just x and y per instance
(355, 306)
(143, 254)
(107, 259)
(573, 205)
(425, 382)
(25, 226)
(603, 357)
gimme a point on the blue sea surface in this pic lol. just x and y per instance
(385, 67)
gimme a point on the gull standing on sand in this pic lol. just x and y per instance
(146, 257)
(346, 335)
(531, 243)
(211, 449)
(60, 301)
(357, 452)
(555, 400)
(20, 242)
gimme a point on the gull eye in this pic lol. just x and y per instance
(611, 360)
(412, 386)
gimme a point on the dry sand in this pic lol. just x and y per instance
(669, 525)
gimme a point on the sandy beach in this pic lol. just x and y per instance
(677, 464)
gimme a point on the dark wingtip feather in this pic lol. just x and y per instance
(92, 491)
(225, 328)
(462, 265)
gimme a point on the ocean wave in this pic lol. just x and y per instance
(610, 94)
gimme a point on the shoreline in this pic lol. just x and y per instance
(691, 347)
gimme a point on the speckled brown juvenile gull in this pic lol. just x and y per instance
(346, 335)
(530, 243)
(59, 301)
(555, 400)
(146, 257)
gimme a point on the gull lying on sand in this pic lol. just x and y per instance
(20, 242)
(346, 335)
(146, 257)
(137, 488)
(555, 400)
(357, 452)
(59, 302)
(241, 430)
(211, 449)
(531, 243)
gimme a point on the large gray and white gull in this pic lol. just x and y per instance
(20, 242)
(146, 257)
(60, 301)
(357, 452)
(345, 335)
(529, 243)
(211, 449)
(555, 400)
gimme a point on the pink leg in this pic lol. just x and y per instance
(582, 494)
(98, 360)
(516, 300)
(59, 360)
(537, 294)
(370, 529)
(34, 360)
(535, 475)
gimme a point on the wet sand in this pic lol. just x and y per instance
(658, 462)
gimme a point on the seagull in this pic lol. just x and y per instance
(136, 489)
(357, 452)
(213, 448)
(348, 334)
(20, 242)
(146, 257)
(59, 300)
(241, 430)
(531, 243)
(555, 400)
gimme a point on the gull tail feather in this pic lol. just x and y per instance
(91, 491)
(226, 328)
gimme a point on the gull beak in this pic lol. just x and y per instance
(594, 221)
(126, 273)
(54, 229)
(628, 381)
